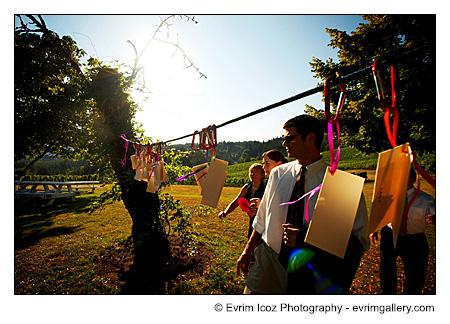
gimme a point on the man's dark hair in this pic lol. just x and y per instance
(305, 125)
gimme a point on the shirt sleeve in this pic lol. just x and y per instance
(431, 206)
(259, 223)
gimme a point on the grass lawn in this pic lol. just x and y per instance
(55, 247)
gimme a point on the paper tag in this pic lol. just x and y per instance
(162, 172)
(134, 162)
(389, 194)
(200, 176)
(138, 174)
(143, 160)
(153, 183)
(335, 212)
(144, 175)
(213, 184)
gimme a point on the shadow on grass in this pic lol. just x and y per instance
(34, 220)
(22, 240)
(28, 206)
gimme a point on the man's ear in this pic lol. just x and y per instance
(311, 138)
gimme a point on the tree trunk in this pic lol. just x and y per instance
(151, 246)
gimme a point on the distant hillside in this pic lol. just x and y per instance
(233, 152)
(351, 159)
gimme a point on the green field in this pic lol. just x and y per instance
(56, 247)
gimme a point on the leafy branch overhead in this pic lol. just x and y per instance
(387, 36)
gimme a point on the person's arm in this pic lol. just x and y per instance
(431, 212)
(234, 204)
(246, 256)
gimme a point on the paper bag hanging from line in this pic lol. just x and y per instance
(153, 182)
(200, 176)
(335, 212)
(389, 193)
(213, 184)
(134, 162)
(158, 176)
(138, 174)
(162, 172)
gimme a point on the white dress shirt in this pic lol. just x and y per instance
(421, 207)
(270, 217)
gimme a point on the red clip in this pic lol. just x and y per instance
(193, 141)
(209, 134)
(392, 108)
(380, 85)
(150, 152)
(326, 90)
(159, 149)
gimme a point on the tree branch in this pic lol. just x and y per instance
(43, 29)
(164, 23)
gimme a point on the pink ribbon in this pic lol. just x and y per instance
(190, 174)
(310, 193)
(124, 161)
(334, 160)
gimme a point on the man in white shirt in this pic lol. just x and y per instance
(412, 247)
(303, 137)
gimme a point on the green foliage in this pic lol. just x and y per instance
(362, 124)
(110, 196)
(50, 109)
(176, 218)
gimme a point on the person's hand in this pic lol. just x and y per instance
(243, 263)
(290, 235)
(255, 202)
(254, 205)
(374, 237)
(252, 212)
(431, 219)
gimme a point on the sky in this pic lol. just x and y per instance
(250, 61)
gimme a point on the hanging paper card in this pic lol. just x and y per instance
(143, 160)
(200, 176)
(162, 172)
(149, 167)
(335, 212)
(389, 194)
(151, 187)
(138, 174)
(153, 182)
(213, 184)
(134, 162)
(144, 175)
